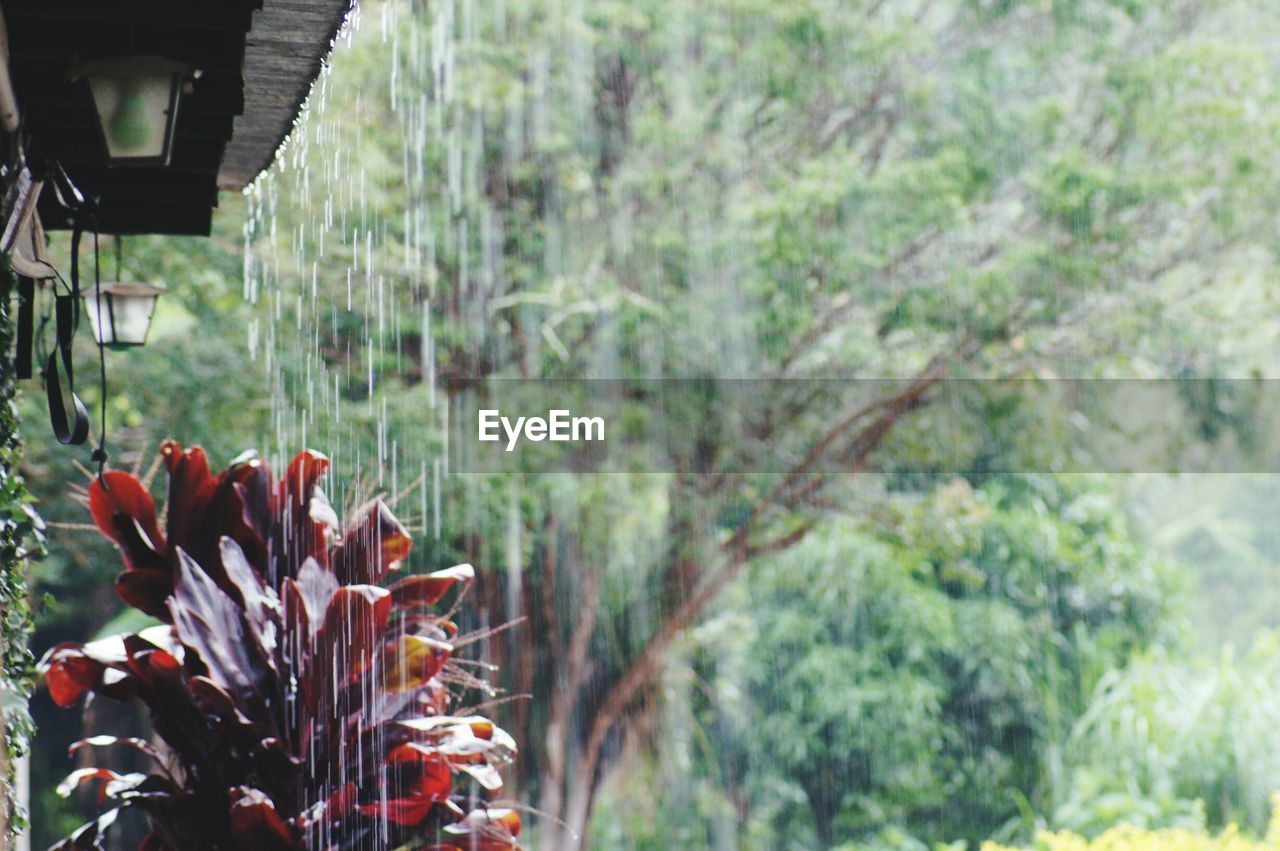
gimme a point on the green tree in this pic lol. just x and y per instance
(788, 190)
(910, 678)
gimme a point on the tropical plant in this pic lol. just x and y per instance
(1170, 741)
(297, 703)
(1131, 838)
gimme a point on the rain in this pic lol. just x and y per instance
(930, 344)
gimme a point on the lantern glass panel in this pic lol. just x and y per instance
(120, 314)
(136, 114)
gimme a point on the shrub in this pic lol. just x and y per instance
(1176, 742)
(1130, 838)
(298, 704)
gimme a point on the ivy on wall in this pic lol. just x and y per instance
(21, 541)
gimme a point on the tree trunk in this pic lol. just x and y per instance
(584, 710)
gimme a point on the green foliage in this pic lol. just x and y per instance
(1170, 742)
(21, 541)
(1127, 837)
(913, 677)
(1222, 527)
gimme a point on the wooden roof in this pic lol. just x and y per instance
(283, 54)
(257, 58)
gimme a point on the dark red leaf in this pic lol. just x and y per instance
(260, 604)
(155, 842)
(236, 519)
(374, 545)
(299, 536)
(256, 824)
(250, 476)
(488, 829)
(191, 486)
(90, 835)
(145, 789)
(202, 509)
(150, 664)
(146, 590)
(69, 672)
(113, 741)
(305, 470)
(71, 669)
(426, 590)
(210, 623)
(297, 630)
(126, 514)
(216, 700)
(125, 495)
(433, 785)
(412, 661)
(353, 627)
(317, 587)
(266, 611)
(341, 801)
(155, 637)
(84, 775)
(429, 699)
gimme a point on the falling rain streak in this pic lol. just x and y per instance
(348, 289)
(345, 279)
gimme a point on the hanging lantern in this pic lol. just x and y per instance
(136, 99)
(120, 314)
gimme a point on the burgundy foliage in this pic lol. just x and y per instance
(297, 703)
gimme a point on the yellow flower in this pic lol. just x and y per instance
(1129, 838)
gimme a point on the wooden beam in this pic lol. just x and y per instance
(145, 185)
(128, 219)
(224, 16)
(284, 51)
(49, 126)
(212, 94)
(61, 45)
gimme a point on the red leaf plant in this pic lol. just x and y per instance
(297, 703)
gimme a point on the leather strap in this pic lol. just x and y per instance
(26, 327)
(75, 431)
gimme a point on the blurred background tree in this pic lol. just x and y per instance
(915, 676)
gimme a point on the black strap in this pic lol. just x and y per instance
(68, 433)
(77, 231)
(100, 453)
(26, 326)
(71, 431)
